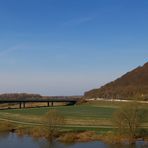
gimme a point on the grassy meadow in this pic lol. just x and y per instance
(96, 115)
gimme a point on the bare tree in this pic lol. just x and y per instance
(127, 120)
(53, 120)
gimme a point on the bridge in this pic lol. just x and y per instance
(50, 102)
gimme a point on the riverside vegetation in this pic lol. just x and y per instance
(98, 120)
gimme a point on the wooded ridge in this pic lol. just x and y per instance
(132, 85)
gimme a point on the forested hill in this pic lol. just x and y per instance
(132, 85)
(19, 96)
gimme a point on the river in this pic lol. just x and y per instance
(11, 140)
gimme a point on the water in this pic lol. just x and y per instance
(11, 140)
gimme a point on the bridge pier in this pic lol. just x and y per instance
(23, 104)
(48, 104)
(20, 105)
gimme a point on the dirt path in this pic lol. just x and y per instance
(39, 124)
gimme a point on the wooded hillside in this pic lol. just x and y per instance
(132, 85)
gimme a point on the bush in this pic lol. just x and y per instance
(6, 126)
(68, 138)
(141, 133)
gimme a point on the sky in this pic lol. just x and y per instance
(67, 47)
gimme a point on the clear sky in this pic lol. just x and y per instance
(65, 47)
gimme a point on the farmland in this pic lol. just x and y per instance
(91, 115)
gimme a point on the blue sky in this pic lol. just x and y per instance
(66, 47)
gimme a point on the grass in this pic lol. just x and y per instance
(98, 113)
(98, 130)
(80, 111)
(75, 115)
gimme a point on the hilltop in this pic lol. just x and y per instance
(132, 85)
(21, 96)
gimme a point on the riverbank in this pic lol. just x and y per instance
(80, 136)
(67, 137)
(91, 121)
(8, 140)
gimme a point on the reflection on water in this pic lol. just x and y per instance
(13, 141)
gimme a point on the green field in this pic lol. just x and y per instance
(87, 116)
(80, 111)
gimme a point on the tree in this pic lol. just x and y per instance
(127, 120)
(53, 120)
